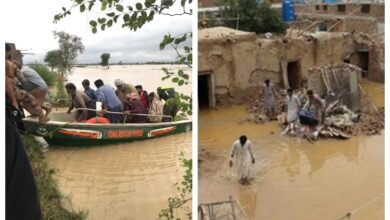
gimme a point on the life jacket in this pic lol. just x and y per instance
(98, 120)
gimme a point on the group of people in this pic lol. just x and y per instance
(313, 109)
(126, 103)
(241, 151)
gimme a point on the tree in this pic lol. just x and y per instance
(70, 47)
(248, 15)
(53, 58)
(105, 58)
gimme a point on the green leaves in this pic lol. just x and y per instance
(93, 23)
(138, 6)
(167, 40)
(101, 20)
(82, 8)
(111, 14)
(119, 8)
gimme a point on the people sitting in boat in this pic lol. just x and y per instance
(110, 102)
(17, 95)
(89, 92)
(123, 89)
(170, 106)
(133, 107)
(156, 108)
(144, 98)
(80, 100)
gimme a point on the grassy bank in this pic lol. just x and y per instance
(49, 194)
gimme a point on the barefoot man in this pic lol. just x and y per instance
(242, 152)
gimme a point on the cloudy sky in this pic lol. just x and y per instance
(31, 27)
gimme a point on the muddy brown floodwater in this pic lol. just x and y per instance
(293, 179)
(122, 181)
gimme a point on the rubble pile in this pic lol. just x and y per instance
(339, 120)
(370, 123)
(256, 108)
(342, 122)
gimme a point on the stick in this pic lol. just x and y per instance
(351, 13)
(120, 113)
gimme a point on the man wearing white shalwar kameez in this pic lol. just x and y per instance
(269, 95)
(293, 105)
(242, 152)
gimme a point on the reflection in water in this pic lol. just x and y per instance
(294, 179)
(122, 181)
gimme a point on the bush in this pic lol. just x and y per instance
(47, 75)
(253, 17)
(62, 96)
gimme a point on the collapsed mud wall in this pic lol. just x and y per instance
(240, 61)
(331, 23)
(339, 79)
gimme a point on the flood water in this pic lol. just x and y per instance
(122, 181)
(149, 76)
(293, 178)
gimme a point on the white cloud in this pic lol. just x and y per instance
(32, 27)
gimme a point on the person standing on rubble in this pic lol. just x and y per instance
(292, 108)
(316, 102)
(269, 95)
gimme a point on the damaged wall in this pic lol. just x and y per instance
(374, 9)
(341, 79)
(241, 61)
(367, 25)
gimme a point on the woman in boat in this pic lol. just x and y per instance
(132, 107)
(156, 108)
(144, 98)
(80, 100)
(242, 153)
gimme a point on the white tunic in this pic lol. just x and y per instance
(292, 108)
(243, 158)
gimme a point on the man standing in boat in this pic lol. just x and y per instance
(110, 102)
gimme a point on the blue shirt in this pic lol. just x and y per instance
(107, 96)
(91, 94)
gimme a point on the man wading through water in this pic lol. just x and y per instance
(242, 152)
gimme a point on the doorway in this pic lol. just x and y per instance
(294, 74)
(206, 90)
(362, 62)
